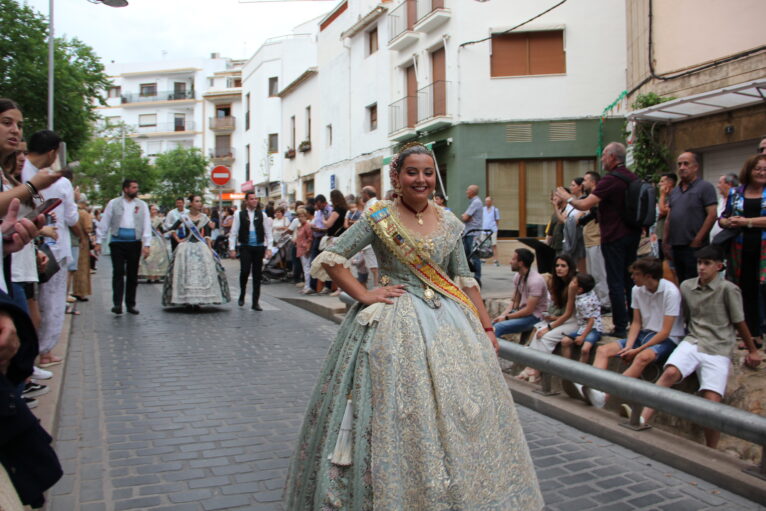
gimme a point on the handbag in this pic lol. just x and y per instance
(725, 237)
(51, 267)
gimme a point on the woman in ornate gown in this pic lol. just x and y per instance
(411, 411)
(154, 267)
(195, 276)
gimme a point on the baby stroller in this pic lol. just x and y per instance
(221, 246)
(482, 245)
(275, 269)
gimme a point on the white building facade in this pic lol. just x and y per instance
(278, 62)
(513, 111)
(186, 103)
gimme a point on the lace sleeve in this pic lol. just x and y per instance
(354, 239)
(330, 259)
(349, 243)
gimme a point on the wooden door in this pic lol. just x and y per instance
(439, 86)
(370, 179)
(412, 97)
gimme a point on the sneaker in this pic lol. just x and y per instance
(32, 389)
(596, 397)
(41, 374)
(309, 292)
(335, 293)
(31, 402)
(325, 291)
(299, 284)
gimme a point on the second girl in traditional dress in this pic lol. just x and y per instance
(154, 267)
(195, 276)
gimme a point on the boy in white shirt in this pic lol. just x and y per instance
(656, 328)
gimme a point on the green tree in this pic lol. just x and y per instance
(651, 156)
(79, 75)
(181, 171)
(104, 163)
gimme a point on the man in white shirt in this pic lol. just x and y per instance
(174, 216)
(251, 231)
(126, 219)
(656, 329)
(42, 152)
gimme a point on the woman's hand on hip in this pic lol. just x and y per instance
(382, 294)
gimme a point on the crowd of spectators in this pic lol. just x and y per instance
(679, 304)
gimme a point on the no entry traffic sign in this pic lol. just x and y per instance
(220, 175)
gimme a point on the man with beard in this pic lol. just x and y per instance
(126, 218)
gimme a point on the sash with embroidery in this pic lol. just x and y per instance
(401, 245)
(195, 232)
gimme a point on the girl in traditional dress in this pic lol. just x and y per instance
(411, 411)
(195, 276)
(154, 267)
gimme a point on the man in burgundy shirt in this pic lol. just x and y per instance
(619, 242)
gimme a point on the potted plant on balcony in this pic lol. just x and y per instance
(290, 153)
(304, 146)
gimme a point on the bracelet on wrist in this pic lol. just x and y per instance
(32, 190)
(489, 329)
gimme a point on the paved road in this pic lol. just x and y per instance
(173, 410)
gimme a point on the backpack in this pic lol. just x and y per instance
(640, 202)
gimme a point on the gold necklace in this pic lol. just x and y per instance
(418, 214)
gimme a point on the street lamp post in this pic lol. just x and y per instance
(51, 65)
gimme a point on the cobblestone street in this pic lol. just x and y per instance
(181, 410)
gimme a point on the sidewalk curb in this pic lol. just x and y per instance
(691, 457)
(48, 409)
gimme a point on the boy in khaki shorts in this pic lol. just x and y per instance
(713, 309)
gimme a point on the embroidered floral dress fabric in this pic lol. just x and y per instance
(195, 276)
(434, 424)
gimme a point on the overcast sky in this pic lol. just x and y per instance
(150, 30)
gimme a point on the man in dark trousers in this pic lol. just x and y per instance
(251, 232)
(619, 241)
(126, 218)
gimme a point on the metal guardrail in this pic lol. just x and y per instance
(724, 418)
(397, 20)
(432, 100)
(426, 7)
(131, 97)
(165, 127)
(399, 115)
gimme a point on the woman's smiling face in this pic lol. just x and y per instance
(11, 130)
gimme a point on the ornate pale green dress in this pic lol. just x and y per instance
(434, 425)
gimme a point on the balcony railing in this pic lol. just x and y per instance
(166, 127)
(401, 19)
(426, 7)
(222, 123)
(432, 101)
(132, 97)
(222, 153)
(402, 114)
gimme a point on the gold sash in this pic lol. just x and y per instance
(399, 242)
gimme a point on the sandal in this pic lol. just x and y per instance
(524, 375)
(72, 311)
